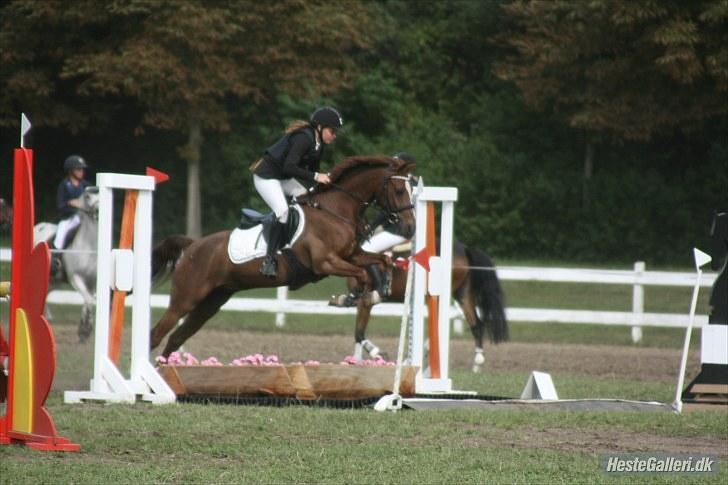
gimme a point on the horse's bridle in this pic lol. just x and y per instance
(386, 213)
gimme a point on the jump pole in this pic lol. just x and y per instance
(124, 270)
(432, 282)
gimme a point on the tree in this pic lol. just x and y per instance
(628, 70)
(183, 61)
(631, 69)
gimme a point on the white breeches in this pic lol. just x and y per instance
(64, 227)
(382, 241)
(274, 192)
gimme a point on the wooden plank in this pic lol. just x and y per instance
(690, 407)
(711, 398)
(301, 383)
(709, 389)
(328, 381)
(335, 381)
(229, 380)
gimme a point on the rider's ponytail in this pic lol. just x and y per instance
(296, 125)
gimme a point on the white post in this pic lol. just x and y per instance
(701, 259)
(439, 277)
(108, 384)
(638, 302)
(281, 297)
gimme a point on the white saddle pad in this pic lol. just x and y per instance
(247, 244)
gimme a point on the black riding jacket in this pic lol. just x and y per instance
(67, 191)
(295, 155)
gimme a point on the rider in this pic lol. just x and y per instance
(68, 201)
(296, 155)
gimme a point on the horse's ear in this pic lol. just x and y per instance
(407, 168)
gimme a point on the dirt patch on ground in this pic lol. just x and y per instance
(634, 363)
(601, 361)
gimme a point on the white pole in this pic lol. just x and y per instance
(393, 402)
(638, 302)
(700, 259)
(281, 297)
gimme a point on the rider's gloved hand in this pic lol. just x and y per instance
(322, 178)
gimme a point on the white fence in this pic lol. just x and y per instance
(636, 318)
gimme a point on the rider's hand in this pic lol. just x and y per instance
(75, 203)
(322, 178)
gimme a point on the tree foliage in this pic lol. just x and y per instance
(631, 69)
(497, 98)
(182, 60)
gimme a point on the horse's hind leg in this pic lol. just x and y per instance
(467, 302)
(363, 312)
(196, 319)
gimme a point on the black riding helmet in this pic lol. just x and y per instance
(73, 162)
(404, 156)
(327, 117)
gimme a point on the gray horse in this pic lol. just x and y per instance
(79, 259)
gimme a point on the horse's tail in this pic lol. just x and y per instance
(166, 254)
(488, 295)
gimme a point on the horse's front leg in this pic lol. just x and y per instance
(363, 258)
(85, 327)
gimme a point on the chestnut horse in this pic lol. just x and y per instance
(204, 278)
(475, 287)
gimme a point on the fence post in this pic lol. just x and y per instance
(638, 302)
(281, 296)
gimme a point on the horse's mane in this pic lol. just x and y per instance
(352, 164)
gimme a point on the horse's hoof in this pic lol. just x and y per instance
(83, 334)
(373, 298)
(343, 301)
(477, 369)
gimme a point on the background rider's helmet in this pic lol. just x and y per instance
(327, 117)
(73, 162)
(404, 156)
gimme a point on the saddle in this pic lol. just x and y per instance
(250, 218)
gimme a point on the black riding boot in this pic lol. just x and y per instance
(380, 280)
(275, 241)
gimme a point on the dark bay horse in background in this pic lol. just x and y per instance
(476, 288)
(204, 278)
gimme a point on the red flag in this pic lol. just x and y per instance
(423, 258)
(159, 177)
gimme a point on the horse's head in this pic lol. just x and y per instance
(374, 181)
(395, 197)
(90, 201)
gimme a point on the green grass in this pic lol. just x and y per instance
(232, 444)
(241, 444)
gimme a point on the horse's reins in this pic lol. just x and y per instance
(385, 213)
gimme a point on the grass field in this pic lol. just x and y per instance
(243, 444)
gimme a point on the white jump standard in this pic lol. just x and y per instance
(437, 283)
(124, 270)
